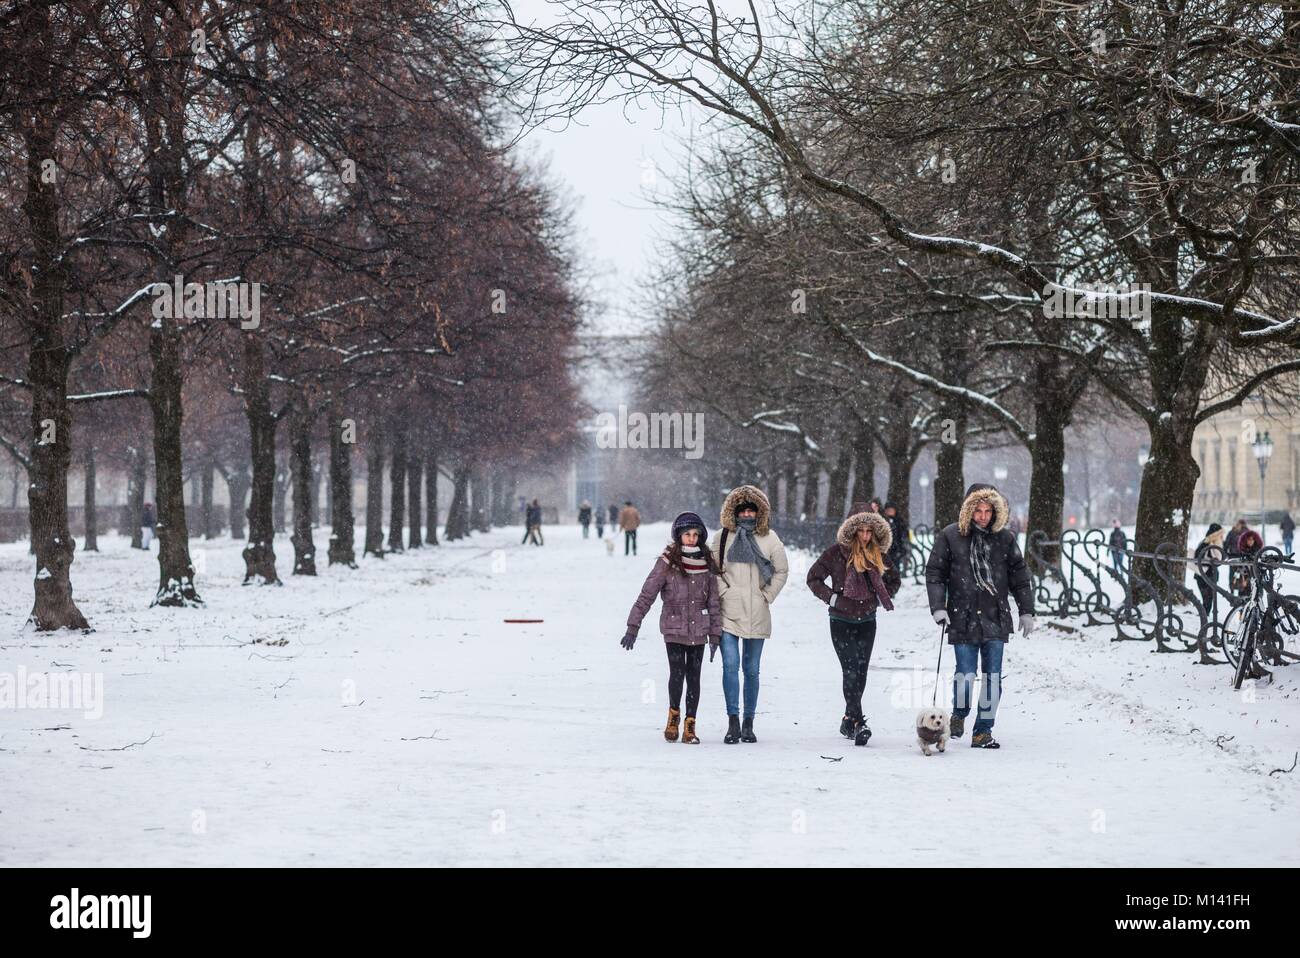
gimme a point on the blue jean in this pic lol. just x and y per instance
(731, 664)
(1118, 559)
(969, 655)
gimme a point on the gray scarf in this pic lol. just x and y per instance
(746, 550)
(979, 559)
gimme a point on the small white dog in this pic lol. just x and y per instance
(931, 729)
(609, 547)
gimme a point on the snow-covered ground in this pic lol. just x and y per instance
(387, 715)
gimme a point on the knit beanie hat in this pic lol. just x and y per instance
(689, 520)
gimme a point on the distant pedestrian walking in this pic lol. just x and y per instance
(584, 517)
(1118, 549)
(533, 521)
(600, 522)
(628, 520)
(1287, 525)
(147, 523)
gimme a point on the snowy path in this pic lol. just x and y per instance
(469, 741)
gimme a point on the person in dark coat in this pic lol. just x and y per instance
(685, 577)
(1209, 553)
(1287, 526)
(534, 520)
(613, 516)
(584, 517)
(974, 567)
(599, 513)
(860, 583)
(147, 523)
(1230, 540)
(897, 555)
(1118, 548)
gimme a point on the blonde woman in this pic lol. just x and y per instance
(856, 567)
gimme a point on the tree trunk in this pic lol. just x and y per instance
(238, 482)
(479, 519)
(317, 481)
(431, 496)
(374, 544)
(135, 484)
(259, 553)
(208, 515)
(342, 549)
(48, 359)
(458, 512)
(92, 524)
(175, 570)
(397, 494)
(901, 460)
(302, 478)
(280, 500)
(950, 477)
(864, 465)
(839, 481)
(1168, 488)
(1046, 482)
(414, 493)
(788, 498)
(812, 475)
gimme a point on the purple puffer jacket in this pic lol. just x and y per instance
(690, 614)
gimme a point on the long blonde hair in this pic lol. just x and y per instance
(860, 555)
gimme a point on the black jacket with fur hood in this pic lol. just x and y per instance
(975, 615)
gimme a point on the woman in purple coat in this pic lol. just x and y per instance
(685, 577)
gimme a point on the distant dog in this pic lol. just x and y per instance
(609, 547)
(931, 729)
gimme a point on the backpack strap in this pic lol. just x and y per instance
(722, 548)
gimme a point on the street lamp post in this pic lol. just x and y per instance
(1263, 448)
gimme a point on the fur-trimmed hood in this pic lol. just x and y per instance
(974, 496)
(878, 524)
(746, 494)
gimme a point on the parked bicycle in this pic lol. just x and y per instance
(1253, 631)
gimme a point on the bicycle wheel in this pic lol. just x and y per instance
(1230, 633)
(1246, 653)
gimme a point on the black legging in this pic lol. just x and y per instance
(853, 642)
(684, 663)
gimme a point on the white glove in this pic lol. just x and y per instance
(1027, 625)
(940, 616)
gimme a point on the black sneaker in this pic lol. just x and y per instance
(956, 726)
(861, 733)
(733, 730)
(846, 727)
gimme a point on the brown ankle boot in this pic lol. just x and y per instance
(689, 737)
(670, 730)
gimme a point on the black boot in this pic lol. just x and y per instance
(846, 727)
(747, 731)
(861, 733)
(733, 730)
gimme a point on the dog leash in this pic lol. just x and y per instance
(943, 631)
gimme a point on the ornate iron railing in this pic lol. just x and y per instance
(1179, 602)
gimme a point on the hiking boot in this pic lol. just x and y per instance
(688, 734)
(984, 740)
(747, 730)
(733, 730)
(861, 732)
(956, 726)
(674, 719)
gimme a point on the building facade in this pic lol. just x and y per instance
(1229, 486)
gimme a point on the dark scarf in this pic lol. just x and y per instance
(746, 550)
(980, 565)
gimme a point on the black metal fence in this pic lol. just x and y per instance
(1179, 602)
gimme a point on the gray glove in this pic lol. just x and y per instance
(628, 641)
(1027, 625)
(940, 616)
